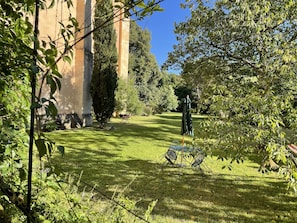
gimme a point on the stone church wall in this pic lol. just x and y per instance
(74, 97)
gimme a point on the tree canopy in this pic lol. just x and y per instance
(153, 85)
(242, 56)
(24, 60)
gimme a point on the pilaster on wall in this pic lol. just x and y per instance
(67, 99)
(79, 58)
(88, 64)
(122, 28)
(74, 96)
(84, 59)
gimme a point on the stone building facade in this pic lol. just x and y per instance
(122, 28)
(74, 97)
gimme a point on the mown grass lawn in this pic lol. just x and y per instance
(129, 159)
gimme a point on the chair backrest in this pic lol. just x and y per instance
(171, 156)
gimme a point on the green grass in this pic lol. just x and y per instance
(130, 159)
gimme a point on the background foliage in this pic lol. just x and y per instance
(241, 56)
(154, 88)
(15, 67)
(127, 98)
(18, 69)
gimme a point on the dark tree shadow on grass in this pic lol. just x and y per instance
(182, 193)
(185, 194)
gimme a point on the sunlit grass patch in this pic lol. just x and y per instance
(129, 159)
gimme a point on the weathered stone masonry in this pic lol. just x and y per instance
(74, 96)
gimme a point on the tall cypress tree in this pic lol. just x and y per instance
(104, 78)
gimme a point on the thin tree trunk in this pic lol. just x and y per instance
(32, 116)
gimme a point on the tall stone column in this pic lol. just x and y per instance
(74, 96)
(88, 64)
(77, 93)
(122, 28)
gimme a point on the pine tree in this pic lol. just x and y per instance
(104, 78)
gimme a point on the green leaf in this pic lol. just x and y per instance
(43, 43)
(35, 105)
(51, 110)
(67, 59)
(50, 81)
(141, 4)
(49, 148)
(61, 150)
(57, 74)
(58, 82)
(41, 147)
(34, 69)
(43, 100)
(22, 174)
(52, 4)
(157, 8)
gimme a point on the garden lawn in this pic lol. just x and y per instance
(129, 160)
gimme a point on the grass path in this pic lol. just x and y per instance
(133, 154)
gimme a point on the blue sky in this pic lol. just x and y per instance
(161, 27)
